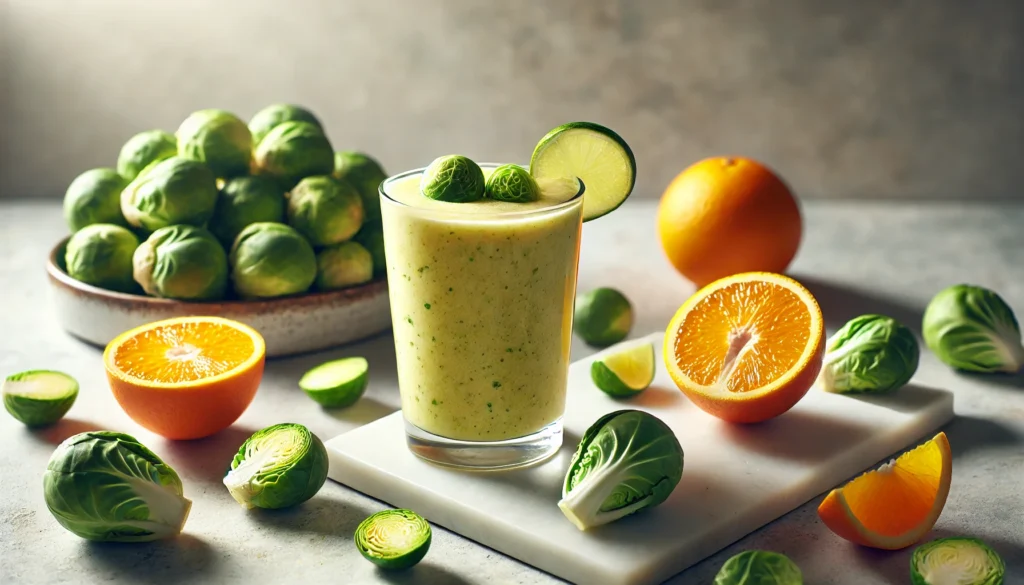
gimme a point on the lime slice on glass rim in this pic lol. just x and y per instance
(595, 155)
(626, 371)
(337, 383)
(39, 397)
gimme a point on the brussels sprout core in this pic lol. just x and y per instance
(101, 255)
(277, 467)
(626, 461)
(94, 197)
(973, 329)
(107, 486)
(956, 561)
(182, 262)
(870, 353)
(759, 567)
(453, 178)
(511, 183)
(217, 138)
(393, 539)
(39, 397)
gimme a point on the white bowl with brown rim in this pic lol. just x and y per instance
(289, 325)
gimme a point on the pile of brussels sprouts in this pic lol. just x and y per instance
(224, 209)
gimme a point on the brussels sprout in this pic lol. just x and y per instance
(173, 191)
(94, 197)
(963, 561)
(271, 116)
(393, 539)
(292, 151)
(337, 383)
(182, 262)
(217, 138)
(246, 200)
(759, 567)
(453, 178)
(39, 397)
(602, 317)
(325, 210)
(104, 485)
(277, 467)
(101, 255)
(271, 260)
(342, 265)
(365, 174)
(371, 236)
(972, 328)
(626, 461)
(870, 353)
(511, 183)
(144, 149)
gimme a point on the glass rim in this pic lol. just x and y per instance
(576, 199)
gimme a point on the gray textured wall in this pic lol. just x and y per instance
(869, 98)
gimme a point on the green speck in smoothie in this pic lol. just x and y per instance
(536, 269)
(426, 306)
(508, 349)
(434, 402)
(422, 268)
(470, 258)
(495, 384)
(409, 320)
(488, 407)
(449, 289)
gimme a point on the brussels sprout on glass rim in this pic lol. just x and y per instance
(453, 178)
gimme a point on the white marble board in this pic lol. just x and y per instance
(735, 478)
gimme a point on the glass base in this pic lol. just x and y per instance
(485, 455)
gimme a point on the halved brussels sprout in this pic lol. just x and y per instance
(759, 567)
(345, 264)
(107, 486)
(972, 328)
(956, 560)
(144, 149)
(244, 201)
(365, 174)
(94, 197)
(182, 262)
(271, 260)
(292, 151)
(393, 539)
(511, 183)
(371, 236)
(266, 119)
(626, 461)
(870, 353)
(173, 191)
(453, 178)
(217, 138)
(39, 397)
(325, 210)
(101, 255)
(280, 466)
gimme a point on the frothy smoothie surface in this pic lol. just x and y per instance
(481, 305)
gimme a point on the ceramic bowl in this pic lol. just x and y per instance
(289, 325)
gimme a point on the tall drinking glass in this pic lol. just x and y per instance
(481, 302)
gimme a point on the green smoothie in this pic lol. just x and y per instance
(481, 302)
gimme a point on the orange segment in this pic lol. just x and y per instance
(188, 377)
(184, 351)
(747, 347)
(895, 506)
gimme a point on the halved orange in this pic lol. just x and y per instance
(746, 347)
(896, 505)
(187, 377)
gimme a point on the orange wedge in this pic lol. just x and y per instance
(188, 377)
(747, 347)
(896, 505)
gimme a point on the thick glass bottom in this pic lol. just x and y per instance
(485, 455)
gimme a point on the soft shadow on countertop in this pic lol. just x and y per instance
(969, 433)
(174, 560)
(320, 514)
(62, 429)
(366, 410)
(995, 379)
(209, 458)
(910, 398)
(422, 573)
(839, 303)
(797, 436)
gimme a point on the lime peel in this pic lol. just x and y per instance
(337, 383)
(625, 371)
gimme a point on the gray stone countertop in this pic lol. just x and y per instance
(856, 258)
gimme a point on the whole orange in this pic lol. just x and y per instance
(726, 215)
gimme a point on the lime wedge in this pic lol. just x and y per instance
(595, 155)
(39, 397)
(625, 372)
(337, 383)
